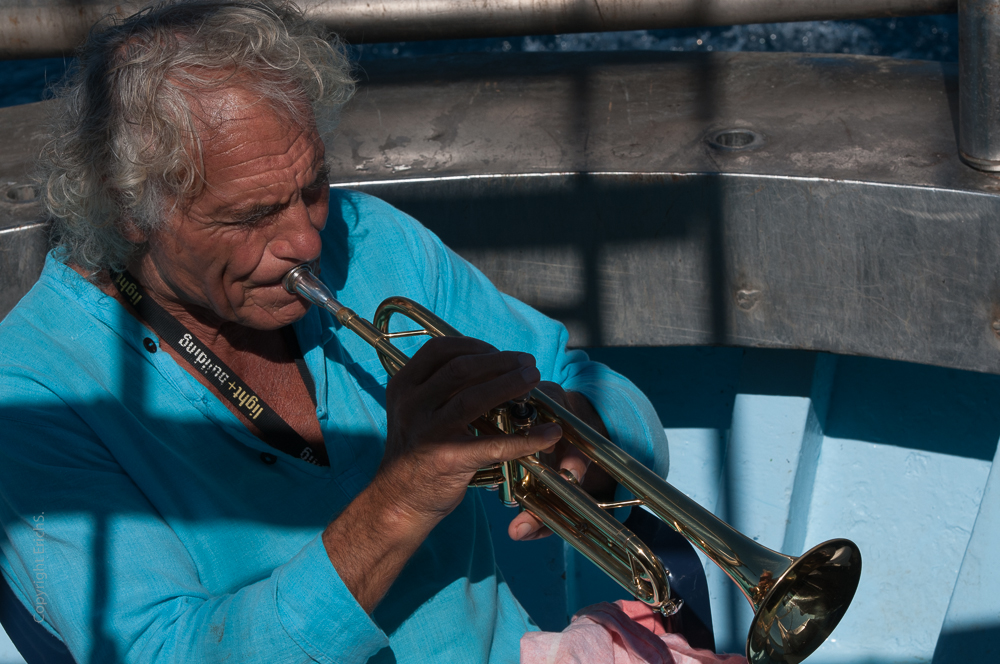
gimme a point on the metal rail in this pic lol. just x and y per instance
(979, 83)
(46, 28)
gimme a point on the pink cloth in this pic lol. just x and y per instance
(619, 633)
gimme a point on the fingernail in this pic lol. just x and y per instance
(550, 431)
(522, 531)
(526, 360)
(570, 475)
(530, 374)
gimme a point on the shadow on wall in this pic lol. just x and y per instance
(968, 646)
(931, 409)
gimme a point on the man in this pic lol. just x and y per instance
(177, 523)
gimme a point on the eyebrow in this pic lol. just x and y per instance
(322, 176)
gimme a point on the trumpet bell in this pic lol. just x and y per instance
(805, 604)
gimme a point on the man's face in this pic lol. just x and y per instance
(265, 199)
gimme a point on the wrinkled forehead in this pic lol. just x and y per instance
(237, 132)
(217, 108)
(229, 113)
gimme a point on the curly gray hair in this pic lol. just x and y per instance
(125, 143)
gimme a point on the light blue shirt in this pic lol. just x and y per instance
(142, 523)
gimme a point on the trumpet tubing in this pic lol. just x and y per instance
(797, 602)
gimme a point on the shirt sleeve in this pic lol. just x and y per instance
(466, 299)
(88, 554)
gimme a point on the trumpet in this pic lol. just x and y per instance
(797, 602)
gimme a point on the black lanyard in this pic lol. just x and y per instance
(277, 432)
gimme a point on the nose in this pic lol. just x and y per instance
(298, 235)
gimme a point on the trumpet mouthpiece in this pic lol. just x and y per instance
(294, 277)
(301, 281)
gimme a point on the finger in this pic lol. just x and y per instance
(481, 451)
(437, 352)
(576, 462)
(554, 391)
(525, 527)
(483, 390)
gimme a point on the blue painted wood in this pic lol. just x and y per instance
(971, 631)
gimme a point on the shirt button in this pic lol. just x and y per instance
(149, 345)
(269, 459)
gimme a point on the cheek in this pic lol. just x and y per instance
(245, 256)
(182, 265)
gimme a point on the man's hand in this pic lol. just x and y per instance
(430, 456)
(430, 453)
(564, 456)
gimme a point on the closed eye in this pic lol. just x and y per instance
(255, 214)
(313, 193)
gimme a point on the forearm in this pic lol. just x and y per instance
(371, 540)
(157, 610)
